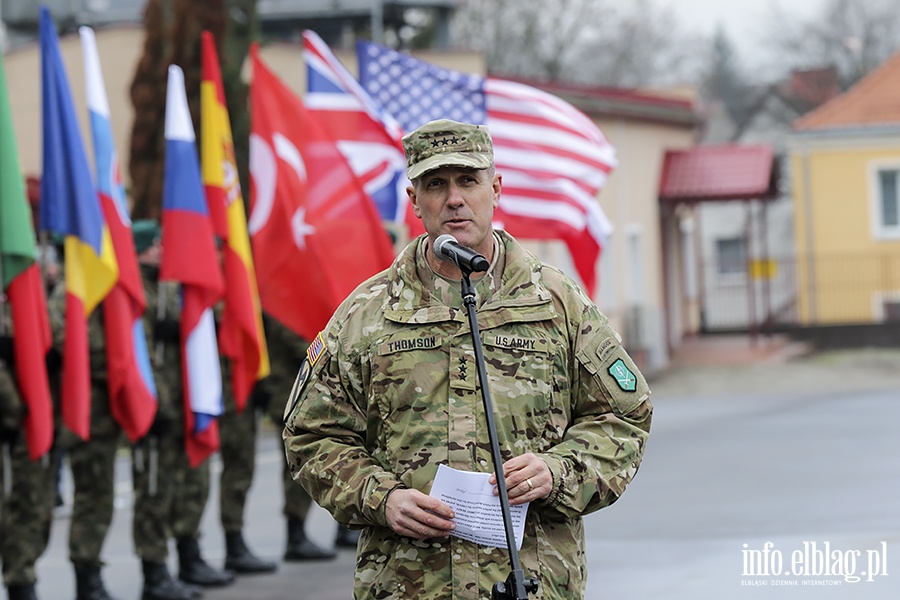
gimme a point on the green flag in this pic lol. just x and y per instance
(17, 243)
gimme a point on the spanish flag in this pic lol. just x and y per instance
(241, 336)
(70, 208)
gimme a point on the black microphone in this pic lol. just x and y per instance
(466, 259)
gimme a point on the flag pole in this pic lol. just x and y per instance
(7, 445)
(7, 461)
(159, 351)
(2, 302)
(42, 267)
(7, 470)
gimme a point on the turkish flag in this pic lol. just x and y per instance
(315, 232)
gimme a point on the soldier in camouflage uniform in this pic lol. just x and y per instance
(389, 391)
(237, 430)
(286, 351)
(155, 456)
(191, 498)
(91, 461)
(26, 505)
(170, 505)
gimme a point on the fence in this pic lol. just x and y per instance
(804, 291)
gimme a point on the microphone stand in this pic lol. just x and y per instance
(516, 587)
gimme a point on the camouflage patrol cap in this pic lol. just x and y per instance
(446, 143)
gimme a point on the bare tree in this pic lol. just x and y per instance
(855, 36)
(148, 95)
(173, 36)
(601, 42)
(642, 45)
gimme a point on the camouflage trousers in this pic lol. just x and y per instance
(296, 501)
(93, 475)
(189, 497)
(26, 510)
(238, 451)
(154, 460)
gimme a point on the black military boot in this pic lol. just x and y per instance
(346, 538)
(21, 591)
(88, 584)
(239, 558)
(193, 569)
(160, 585)
(299, 547)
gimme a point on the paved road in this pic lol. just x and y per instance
(803, 456)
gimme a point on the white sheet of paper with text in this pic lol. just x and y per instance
(478, 515)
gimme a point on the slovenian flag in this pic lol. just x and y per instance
(189, 258)
(131, 389)
(70, 209)
(241, 336)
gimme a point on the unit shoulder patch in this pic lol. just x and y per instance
(623, 375)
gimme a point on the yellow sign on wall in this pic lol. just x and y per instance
(762, 268)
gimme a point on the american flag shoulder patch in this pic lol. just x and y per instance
(315, 350)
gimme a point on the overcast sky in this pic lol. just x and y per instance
(743, 20)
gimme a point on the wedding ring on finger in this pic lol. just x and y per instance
(528, 481)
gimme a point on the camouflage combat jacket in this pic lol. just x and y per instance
(10, 404)
(165, 353)
(390, 391)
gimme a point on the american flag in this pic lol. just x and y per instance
(553, 159)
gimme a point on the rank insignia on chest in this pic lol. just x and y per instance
(315, 349)
(623, 375)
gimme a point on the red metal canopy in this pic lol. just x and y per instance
(713, 173)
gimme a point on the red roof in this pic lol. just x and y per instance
(632, 104)
(727, 172)
(814, 87)
(872, 102)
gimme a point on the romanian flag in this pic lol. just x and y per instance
(69, 208)
(241, 336)
(189, 257)
(131, 389)
(24, 288)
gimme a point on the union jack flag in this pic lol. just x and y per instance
(368, 137)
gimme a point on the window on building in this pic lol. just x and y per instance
(889, 201)
(731, 257)
(891, 310)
